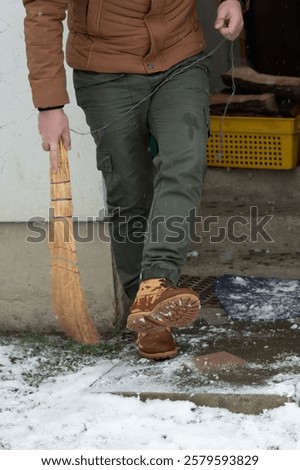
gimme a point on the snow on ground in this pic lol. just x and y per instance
(73, 410)
(258, 298)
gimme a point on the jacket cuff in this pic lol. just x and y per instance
(244, 4)
(49, 92)
(50, 108)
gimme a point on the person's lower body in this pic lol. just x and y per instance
(150, 220)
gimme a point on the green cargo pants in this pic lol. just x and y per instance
(151, 202)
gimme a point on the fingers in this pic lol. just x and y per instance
(221, 23)
(46, 146)
(53, 127)
(229, 20)
(54, 157)
(229, 30)
(53, 149)
(66, 138)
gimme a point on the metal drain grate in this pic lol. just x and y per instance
(204, 288)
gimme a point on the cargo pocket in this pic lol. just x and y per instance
(114, 193)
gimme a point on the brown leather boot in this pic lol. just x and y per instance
(157, 346)
(159, 304)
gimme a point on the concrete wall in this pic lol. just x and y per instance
(24, 166)
(25, 300)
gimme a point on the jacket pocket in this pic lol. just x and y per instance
(114, 193)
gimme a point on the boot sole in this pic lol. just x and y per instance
(176, 312)
(159, 356)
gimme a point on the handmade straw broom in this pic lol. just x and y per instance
(68, 299)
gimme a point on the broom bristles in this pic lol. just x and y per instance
(68, 299)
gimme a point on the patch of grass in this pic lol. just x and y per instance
(47, 356)
(111, 343)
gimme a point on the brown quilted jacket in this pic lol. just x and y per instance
(128, 36)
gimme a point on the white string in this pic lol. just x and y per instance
(220, 154)
(171, 77)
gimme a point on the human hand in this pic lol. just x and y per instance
(229, 20)
(53, 127)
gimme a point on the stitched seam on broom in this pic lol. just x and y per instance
(66, 260)
(61, 248)
(76, 271)
(61, 199)
(60, 182)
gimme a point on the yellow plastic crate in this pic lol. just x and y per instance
(254, 142)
